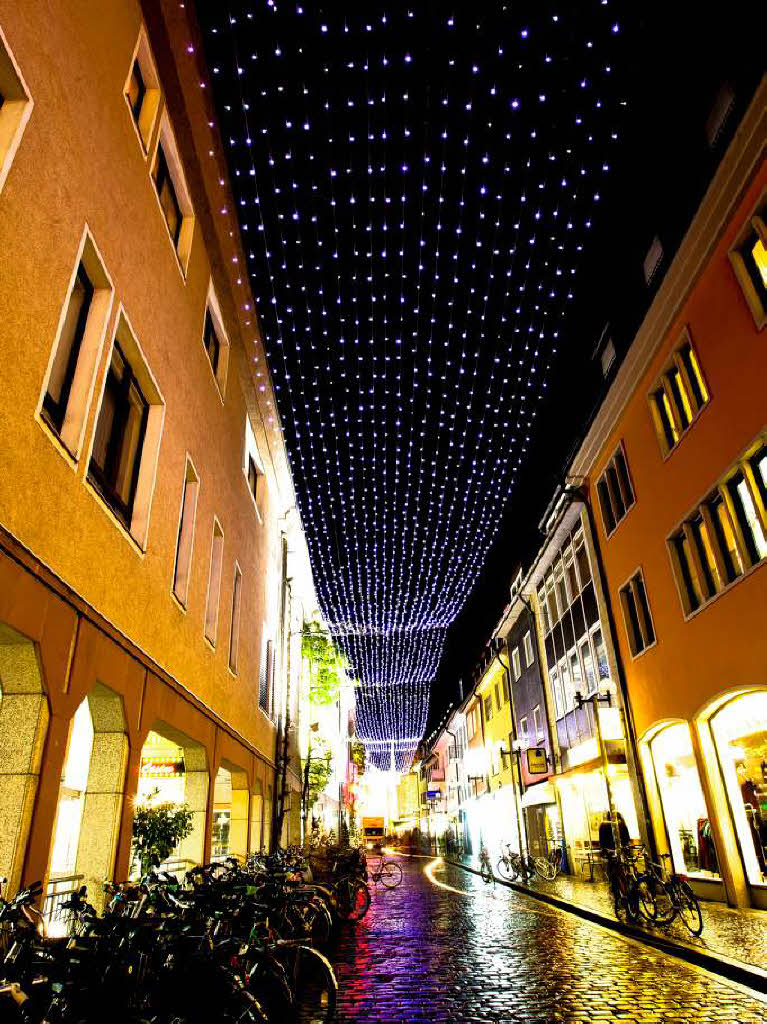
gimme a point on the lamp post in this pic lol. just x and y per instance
(595, 700)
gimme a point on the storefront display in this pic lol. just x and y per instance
(684, 808)
(740, 735)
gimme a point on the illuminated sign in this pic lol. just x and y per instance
(536, 761)
(161, 767)
(433, 794)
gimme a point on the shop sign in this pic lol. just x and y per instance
(433, 794)
(161, 767)
(536, 761)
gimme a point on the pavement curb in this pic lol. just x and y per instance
(736, 970)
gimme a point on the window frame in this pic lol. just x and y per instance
(664, 407)
(15, 110)
(234, 621)
(191, 476)
(166, 147)
(645, 633)
(610, 480)
(145, 119)
(213, 315)
(527, 643)
(755, 224)
(487, 703)
(516, 663)
(538, 723)
(213, 601)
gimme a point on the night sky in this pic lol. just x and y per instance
(443, 206)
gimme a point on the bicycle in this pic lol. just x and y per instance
(387, 872)
(485, 867)
(672, 897)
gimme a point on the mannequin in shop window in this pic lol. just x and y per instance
(752, 804)
(606, 835)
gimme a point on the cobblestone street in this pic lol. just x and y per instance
(445, 947)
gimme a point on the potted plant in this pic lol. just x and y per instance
(157, 831)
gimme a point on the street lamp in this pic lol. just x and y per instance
(595, 699)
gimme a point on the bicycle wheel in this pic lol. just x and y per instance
(353, 899)
(545, 869)
(312, 981)
(505, 869)
(391, 874)
(643, 897)
(688, 908)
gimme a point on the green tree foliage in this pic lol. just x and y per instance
(317, 771)
(327, 665)
(359, 756)
(157, 831)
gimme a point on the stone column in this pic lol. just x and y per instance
(238, 822)
(196, 785)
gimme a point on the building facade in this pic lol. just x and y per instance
(676, 466)
(153, 572)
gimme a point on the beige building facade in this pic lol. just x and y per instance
(154, 577)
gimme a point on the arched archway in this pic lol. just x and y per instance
(24, 719)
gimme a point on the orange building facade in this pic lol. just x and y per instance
(676, 467)
(154, 576)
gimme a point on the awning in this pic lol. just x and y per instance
(543, 793)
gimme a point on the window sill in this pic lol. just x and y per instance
(638, 655)
(178, 602)
(103, 504)
(725, 590)
(182, 269)
(144, 146)
(685, 433)
(50, 432)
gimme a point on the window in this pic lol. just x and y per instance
(600, 653)
(234, 629)
(571, 574)
(544, 610)
(523, 731)
(516, 663)
(567, 689)
(75, 354)
(266, 679)
(215, 341)
(15, 108)
(173, 194)
(582, 560)
(528, 648)
(551, 601)
(575, 672)
(561, 590)
(678, 396)
(119, 438)
(214, 582)
(497, 697)
(142, 91)
(253, 470)
(556, 689)
(749, 261)
(488, 704)
(636, 614)
(616, 495)
(505, 686)
(537, 723)
(185, 539)
(725, 536)
(589, 673)
(470, 725)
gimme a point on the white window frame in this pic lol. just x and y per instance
(150, 106)
(604, 479)
(69, 442)
(213, 593)
(250, 450)
(220, 376)
(629, 583)
(234, 624)
(528, 644)
(516, 665)
(522, 731)
(537, 723)
(15, 111)
(167, 139)
(756, 221)
(123, 333)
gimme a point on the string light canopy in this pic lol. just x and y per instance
(416, 187)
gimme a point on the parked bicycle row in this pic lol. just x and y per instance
(227, 943)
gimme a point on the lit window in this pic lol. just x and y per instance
(556, 689)
(561, 589)
(119, 438)
(725, 537)
(488, 705)
(576, 676)
(745, 515)
(516, 663)
(678, 396)
(523, 731)
(253, 471)
(749, 260)
(589, 675)
(636, 614)
(616, 495)
(544, 610)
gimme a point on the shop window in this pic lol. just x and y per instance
(528, 649)
(488, 706)
(678, 396)
(516, 665)
(636, 615)
(215, 341)
(173, 194)
(740, 734)
(725, 536)
(214, 582)
(616, 495)
(126, 439)
(142, 91)
(234, 628)
(749, 261)
(185, 538)
(684, 808)
(253, 471)
(15, 108)
(80, 336)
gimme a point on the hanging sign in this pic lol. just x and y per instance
(433, 794)
(153, 767)
(536, 761)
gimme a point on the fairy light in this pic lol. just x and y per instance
(414, 197)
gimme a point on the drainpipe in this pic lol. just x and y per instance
(516, 788)
(627, 716)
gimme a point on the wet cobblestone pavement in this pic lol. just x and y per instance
(738, 934)
(453, 949)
